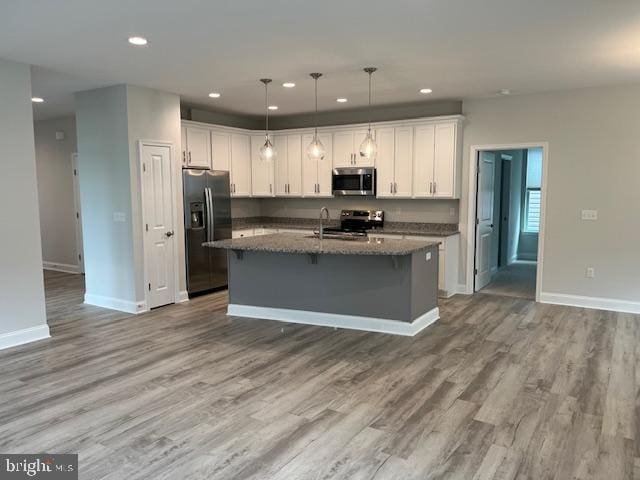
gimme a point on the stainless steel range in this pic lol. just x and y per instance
(354, 224)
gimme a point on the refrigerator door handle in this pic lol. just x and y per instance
(210, 211)
(207, 214)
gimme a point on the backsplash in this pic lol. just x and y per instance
(411, 210)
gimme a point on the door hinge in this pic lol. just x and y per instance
(146, 227)
(477, 221)
(79, 256)
(144, 167)
(475, 271)
(75, 172)
(149, 287)
(77, 215)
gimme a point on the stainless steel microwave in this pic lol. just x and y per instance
(354, 181)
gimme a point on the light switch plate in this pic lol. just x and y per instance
(589, 215)
(119, 217)
(428, 256)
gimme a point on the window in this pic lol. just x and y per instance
(531, 216)
(532, 211)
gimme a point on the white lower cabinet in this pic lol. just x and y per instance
(448, 254)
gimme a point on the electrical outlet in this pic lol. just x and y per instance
(589, 215)
(452, 212)
(591, 272)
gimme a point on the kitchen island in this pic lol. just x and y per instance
(380, 285)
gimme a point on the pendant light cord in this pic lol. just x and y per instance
(315, 117)
(266, 107)
(370, 73)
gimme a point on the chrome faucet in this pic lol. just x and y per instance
(323, 210)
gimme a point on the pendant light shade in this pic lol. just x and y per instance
(316, 150)
(368, 147)
(267, 151)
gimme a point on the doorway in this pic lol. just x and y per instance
(158, 223)
(509, 209)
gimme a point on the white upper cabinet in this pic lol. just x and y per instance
(394, 162)
(437, 165)
(198, 147)
(220, 150)
(183, 146)
(262, 171)
(403, 164)
(288, 165)
(240, 165)
(385, 172)
(444, 168)
(346, 149)
(317, 174)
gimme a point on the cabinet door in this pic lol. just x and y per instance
(281, 165)
(220, 150)
(309, 170)
(343, 152)
(198, 147)
(294, 161)
(240, 165)
(444, 160)
(358, 138)
(385, 161)
(403, 171)
(261, 170)
(325, 167)
(183, 146)
(423, 161)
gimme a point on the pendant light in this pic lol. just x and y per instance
(267, 151)
(368, 147)
(316, 150)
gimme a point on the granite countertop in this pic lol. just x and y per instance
(292, 243)
(397, 228)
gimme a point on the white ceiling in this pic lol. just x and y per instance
(459, 48)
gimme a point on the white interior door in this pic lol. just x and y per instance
(157, 208)
(484, 223)
(76, 199)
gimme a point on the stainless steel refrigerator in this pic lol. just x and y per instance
(207, 217)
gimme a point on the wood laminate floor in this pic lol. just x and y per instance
(499, 388)
(515, 280)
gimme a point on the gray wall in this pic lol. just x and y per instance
(154, 115)
(105, 188)
(436, 211)
(593, 164)
(21, 283)
(55, 189)
(335, 117)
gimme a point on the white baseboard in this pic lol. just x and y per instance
(352, 322)
(462, 289)
(598, 303)
(26, 335)
(183, 296)
(528, 256)
(61, 267)
(115, 303)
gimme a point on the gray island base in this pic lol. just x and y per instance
(381, 285)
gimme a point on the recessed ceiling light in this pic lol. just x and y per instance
(341, 100)
(137, 41)
(273, 107)
(37, 99)
(426, 90)
(214, 95)
(505, 91)
(288, 84)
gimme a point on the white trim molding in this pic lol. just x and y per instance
(61, 267)
(183, 296)
(115, 303)
(611, 304)
(25, 335)
(352, 322)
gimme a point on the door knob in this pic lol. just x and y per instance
(169, 233)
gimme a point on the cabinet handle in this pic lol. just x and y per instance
(391, 187)
(270, 188)
(435, 188)
(184, 157)
(189, 156)
(430, 187)
(395, 187)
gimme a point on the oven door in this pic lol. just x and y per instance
(354, 181)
